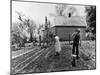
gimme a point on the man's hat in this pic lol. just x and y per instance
(77, 30)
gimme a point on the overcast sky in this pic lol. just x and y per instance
(35, 11)
(38, 11)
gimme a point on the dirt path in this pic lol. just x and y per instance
(43, 60)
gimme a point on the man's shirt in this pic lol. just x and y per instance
(76, 38)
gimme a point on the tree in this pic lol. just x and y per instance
(63, 10)
(60, 9)
(31, 29)
(91, 18)
(40, 33)
(24, 29)
(71, 11)
(15, 32)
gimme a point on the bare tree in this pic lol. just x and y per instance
(63, 10)
(91, 18)
(25, 29)
(32, 28)
(71, 11)
(60, 9)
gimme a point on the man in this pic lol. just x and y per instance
(76, 39)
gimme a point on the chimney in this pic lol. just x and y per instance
(45, 19)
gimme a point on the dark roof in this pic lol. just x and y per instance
(72, 21)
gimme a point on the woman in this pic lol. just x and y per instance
(57, 46)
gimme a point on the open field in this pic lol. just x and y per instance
(43, 60)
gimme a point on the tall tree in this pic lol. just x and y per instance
(31, 28)
(91, 18)
(60, 9)
(26, 26)
(64, 10)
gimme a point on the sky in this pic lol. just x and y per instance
(38, 11)
(35, 11)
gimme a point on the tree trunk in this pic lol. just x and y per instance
(31, 38)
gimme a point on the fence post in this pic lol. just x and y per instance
(73, 60)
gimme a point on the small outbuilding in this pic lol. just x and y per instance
(65, 26)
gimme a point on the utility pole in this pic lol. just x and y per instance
(46, 29)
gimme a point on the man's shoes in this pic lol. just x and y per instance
(73, 64)
(77, 57)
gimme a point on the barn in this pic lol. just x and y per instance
(65, 26)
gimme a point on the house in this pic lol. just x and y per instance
(65, 26)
